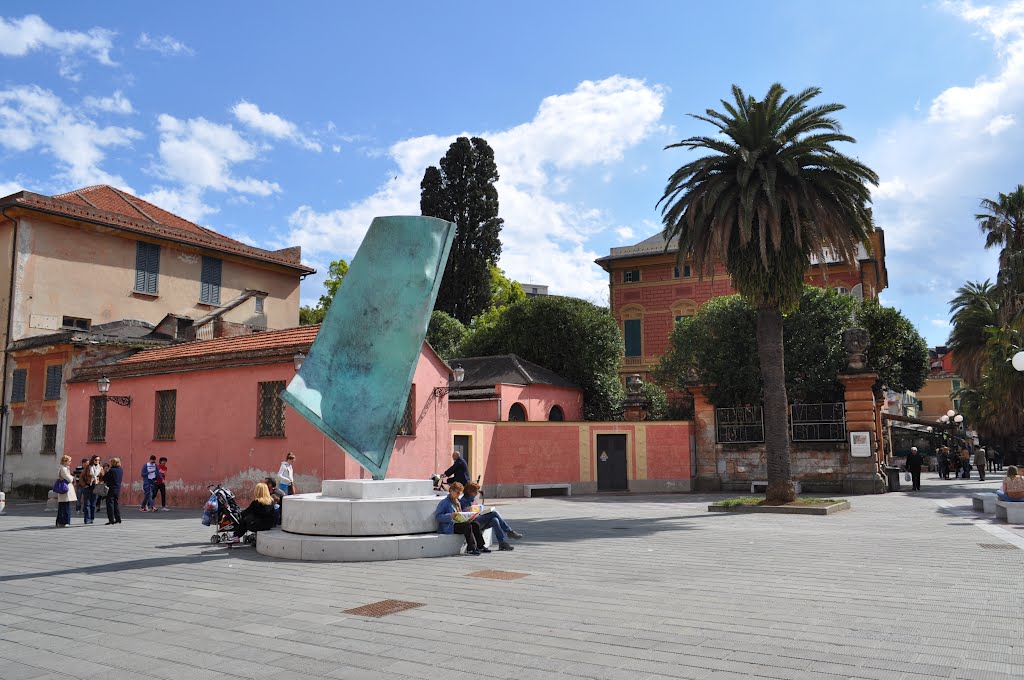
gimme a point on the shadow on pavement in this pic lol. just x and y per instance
(557, 530)
(129, 565)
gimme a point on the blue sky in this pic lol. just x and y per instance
(295, 124)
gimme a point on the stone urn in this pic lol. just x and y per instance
(856, 341)
(636, 404)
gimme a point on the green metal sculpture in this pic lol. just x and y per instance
(355, 382)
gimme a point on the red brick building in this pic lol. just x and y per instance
(649, 292)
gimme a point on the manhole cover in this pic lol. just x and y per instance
(498, 575)
(383, 608)
(997, 546)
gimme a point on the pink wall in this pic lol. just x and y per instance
(216, 432)
(536, 400)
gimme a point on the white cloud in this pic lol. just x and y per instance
(186, 202)
(939, 323)
(1000, 123)
(198, 153)
(545, 238)
(8, 188)
(164, 44)
(271, 124)
(33, 118)
(116, 103)
(18, 37)
(625, 233)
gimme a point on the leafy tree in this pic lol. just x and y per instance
(504, 291)
(1003, 222)
(312, 315)
(773, 191)
(657, 401)
(445, 334)
(574, 338)
(897, 351)
(462, 191)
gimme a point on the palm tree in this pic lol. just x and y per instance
(975, 311)
(772, 193)
(1003, 222)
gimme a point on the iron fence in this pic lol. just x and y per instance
(739, 425)
(818, 422)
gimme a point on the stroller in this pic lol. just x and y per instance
(223, 512)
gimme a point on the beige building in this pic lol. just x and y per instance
(99, 268)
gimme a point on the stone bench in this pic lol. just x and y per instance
(984, 502)
(754, 485)
(529, 488)
(278, 543)
(1010, 511)
(3, 503)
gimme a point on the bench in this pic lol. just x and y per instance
(754, 485)
(1010, 511)
(3, 503)
(984, 502)
(547, 489)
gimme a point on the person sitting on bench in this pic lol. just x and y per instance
(488, 520)
(259, 516)
(1013, 486)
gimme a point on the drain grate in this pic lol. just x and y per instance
(383, 608)
(997, 546)
(498, 575)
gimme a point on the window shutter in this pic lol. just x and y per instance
(18, 388)
(209, 287)
(54, 377)
(147, 267)
(632, 328)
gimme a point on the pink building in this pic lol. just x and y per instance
(212, 408)
(508, 388)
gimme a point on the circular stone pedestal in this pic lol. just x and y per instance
(361, 520)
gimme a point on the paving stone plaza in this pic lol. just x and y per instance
(904, 586)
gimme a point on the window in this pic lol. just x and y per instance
(14, 444)
(517, 414)
(956, 385)
(166, 401)
(631, 328)
(556, 414)
(271, 415)
(209, 286)
(49, 439)
(18, 388)
(76, 323)
(683, 308)
(956, 404)
(843, 290)
(97, 419)
(54, 377)
(259, 305)
(686, 272)
(631, 276)
(406, 427)
(147, 267)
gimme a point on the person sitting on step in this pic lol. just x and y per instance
(488, 520)
(448, 513)
(259, 516)
(1013, 486)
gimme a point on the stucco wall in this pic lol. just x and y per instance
(65, 271)
(537, 401)
(216, 432)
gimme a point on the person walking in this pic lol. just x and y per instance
(64, 500)
(78, 476)
(980, 461)
(942, 462)
(286, 475)
(965, 462)
(915, 461)
(113, 478)
(149, 474)
(160, 484)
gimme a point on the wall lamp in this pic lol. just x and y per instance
(298, 360)
(103, 385)
(460, 375)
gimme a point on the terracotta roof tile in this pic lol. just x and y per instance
(122, 210)
(256, 342)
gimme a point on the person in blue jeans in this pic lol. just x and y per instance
(445, 514)
(150, 471)
(91, 474)
(489, 520)
(1013, 486)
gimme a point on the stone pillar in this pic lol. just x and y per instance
(706, 453)
(862, 415)
(636, 405)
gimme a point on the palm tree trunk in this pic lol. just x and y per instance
(776, 421)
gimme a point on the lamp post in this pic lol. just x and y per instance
(103, 385)
(298, 360)
(459, 373)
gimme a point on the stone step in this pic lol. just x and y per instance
(318, 515)
(277, 543)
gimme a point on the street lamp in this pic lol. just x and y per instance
(460, 375)
(103, 385)
(298, 360)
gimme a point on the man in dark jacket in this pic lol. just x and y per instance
(915, 461)
(113, 479)
(459, 471)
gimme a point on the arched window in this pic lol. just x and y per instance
(681, 308)
(517, 414)
(842, 289)
(555, 414)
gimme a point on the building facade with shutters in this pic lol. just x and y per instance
(213, 409)
(649, 291)
(82, 267)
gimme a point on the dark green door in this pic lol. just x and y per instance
(611, 462)
(460, 443)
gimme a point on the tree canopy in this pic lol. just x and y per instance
(445, 334)
(313, 315)
(772, 192)
(574, 338)
(462, 191)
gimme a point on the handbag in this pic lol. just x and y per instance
(100, 490)
(60, 486)
(906, 476)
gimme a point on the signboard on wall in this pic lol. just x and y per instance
(860, 444)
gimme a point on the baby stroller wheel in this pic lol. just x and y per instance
(249, 539)
(215, 539)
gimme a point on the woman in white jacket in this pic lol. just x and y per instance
(286, 476)
(64, 500)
